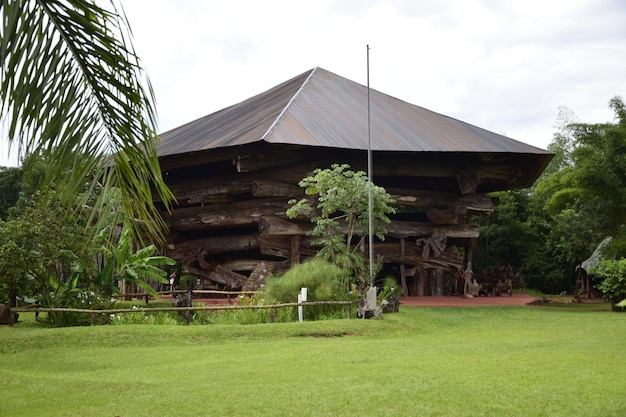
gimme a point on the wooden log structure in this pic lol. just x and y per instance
(225, 225)
(234, 172)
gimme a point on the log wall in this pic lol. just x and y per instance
(226, 224)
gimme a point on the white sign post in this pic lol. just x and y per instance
(301, 299)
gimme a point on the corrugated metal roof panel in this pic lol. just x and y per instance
(319, 108)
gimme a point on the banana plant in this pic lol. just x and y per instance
(122, 263)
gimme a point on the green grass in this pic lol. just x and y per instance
(491, 361)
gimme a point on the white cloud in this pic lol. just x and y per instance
(504, 65)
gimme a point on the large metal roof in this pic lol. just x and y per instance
(322, 109)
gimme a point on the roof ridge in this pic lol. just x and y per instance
(284, 110)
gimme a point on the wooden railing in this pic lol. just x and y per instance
(147, 296)
(95, 313)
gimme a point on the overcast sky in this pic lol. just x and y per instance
(506, 66)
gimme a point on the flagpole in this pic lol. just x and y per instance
(369, 174)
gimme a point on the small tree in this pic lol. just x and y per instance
(341, 216)
(41, 249)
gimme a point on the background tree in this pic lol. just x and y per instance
(10, 186)
(42, 248)
(73, 89)
(594, 185)
(547, 230)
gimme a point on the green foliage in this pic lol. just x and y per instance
(246, 316)
(342, 215)
(68, 294)
(73, 89)
(593, 184)
(388, 289)
(322, 279)
(135, 267)
(42, 247)
(506, 234)
(613, 276)
(10, 186)
(546, 231)
(151, 318)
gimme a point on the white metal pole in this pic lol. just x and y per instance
(369, 173)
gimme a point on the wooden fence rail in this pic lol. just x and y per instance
(194, 292)
(143, 294)
(94, 313)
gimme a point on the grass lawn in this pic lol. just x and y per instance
(478, 361)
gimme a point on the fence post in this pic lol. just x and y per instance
(10, 319)
(272, 315)
(301, 299)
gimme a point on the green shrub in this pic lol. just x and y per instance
(613, 275)
(141, 317)
(322, 280)
(81, 299)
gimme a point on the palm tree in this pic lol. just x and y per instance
(73, 90)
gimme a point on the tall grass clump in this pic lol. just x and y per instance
(323, 282)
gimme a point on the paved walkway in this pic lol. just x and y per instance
(459, 301)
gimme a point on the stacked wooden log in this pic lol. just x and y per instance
(224, 225)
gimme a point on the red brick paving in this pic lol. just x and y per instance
(460, 301)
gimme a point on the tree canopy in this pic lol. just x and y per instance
(549, 229)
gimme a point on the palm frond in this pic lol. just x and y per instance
(73, 89)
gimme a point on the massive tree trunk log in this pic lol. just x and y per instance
(209, 190)
(280, 246)
(273, 226)
(402, 229)
(277, 182)
(239, 214)
(451, 215)
(220, 276)
(468, 181)
(450, 259)
(246, 265)
(237, 280)
(427, 198)
(213, 245)
(266, 188)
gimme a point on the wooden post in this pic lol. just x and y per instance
(438, 276)
(11, 320)
(295, 249)
(420, 276)
(272, 315)
(405, 288)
